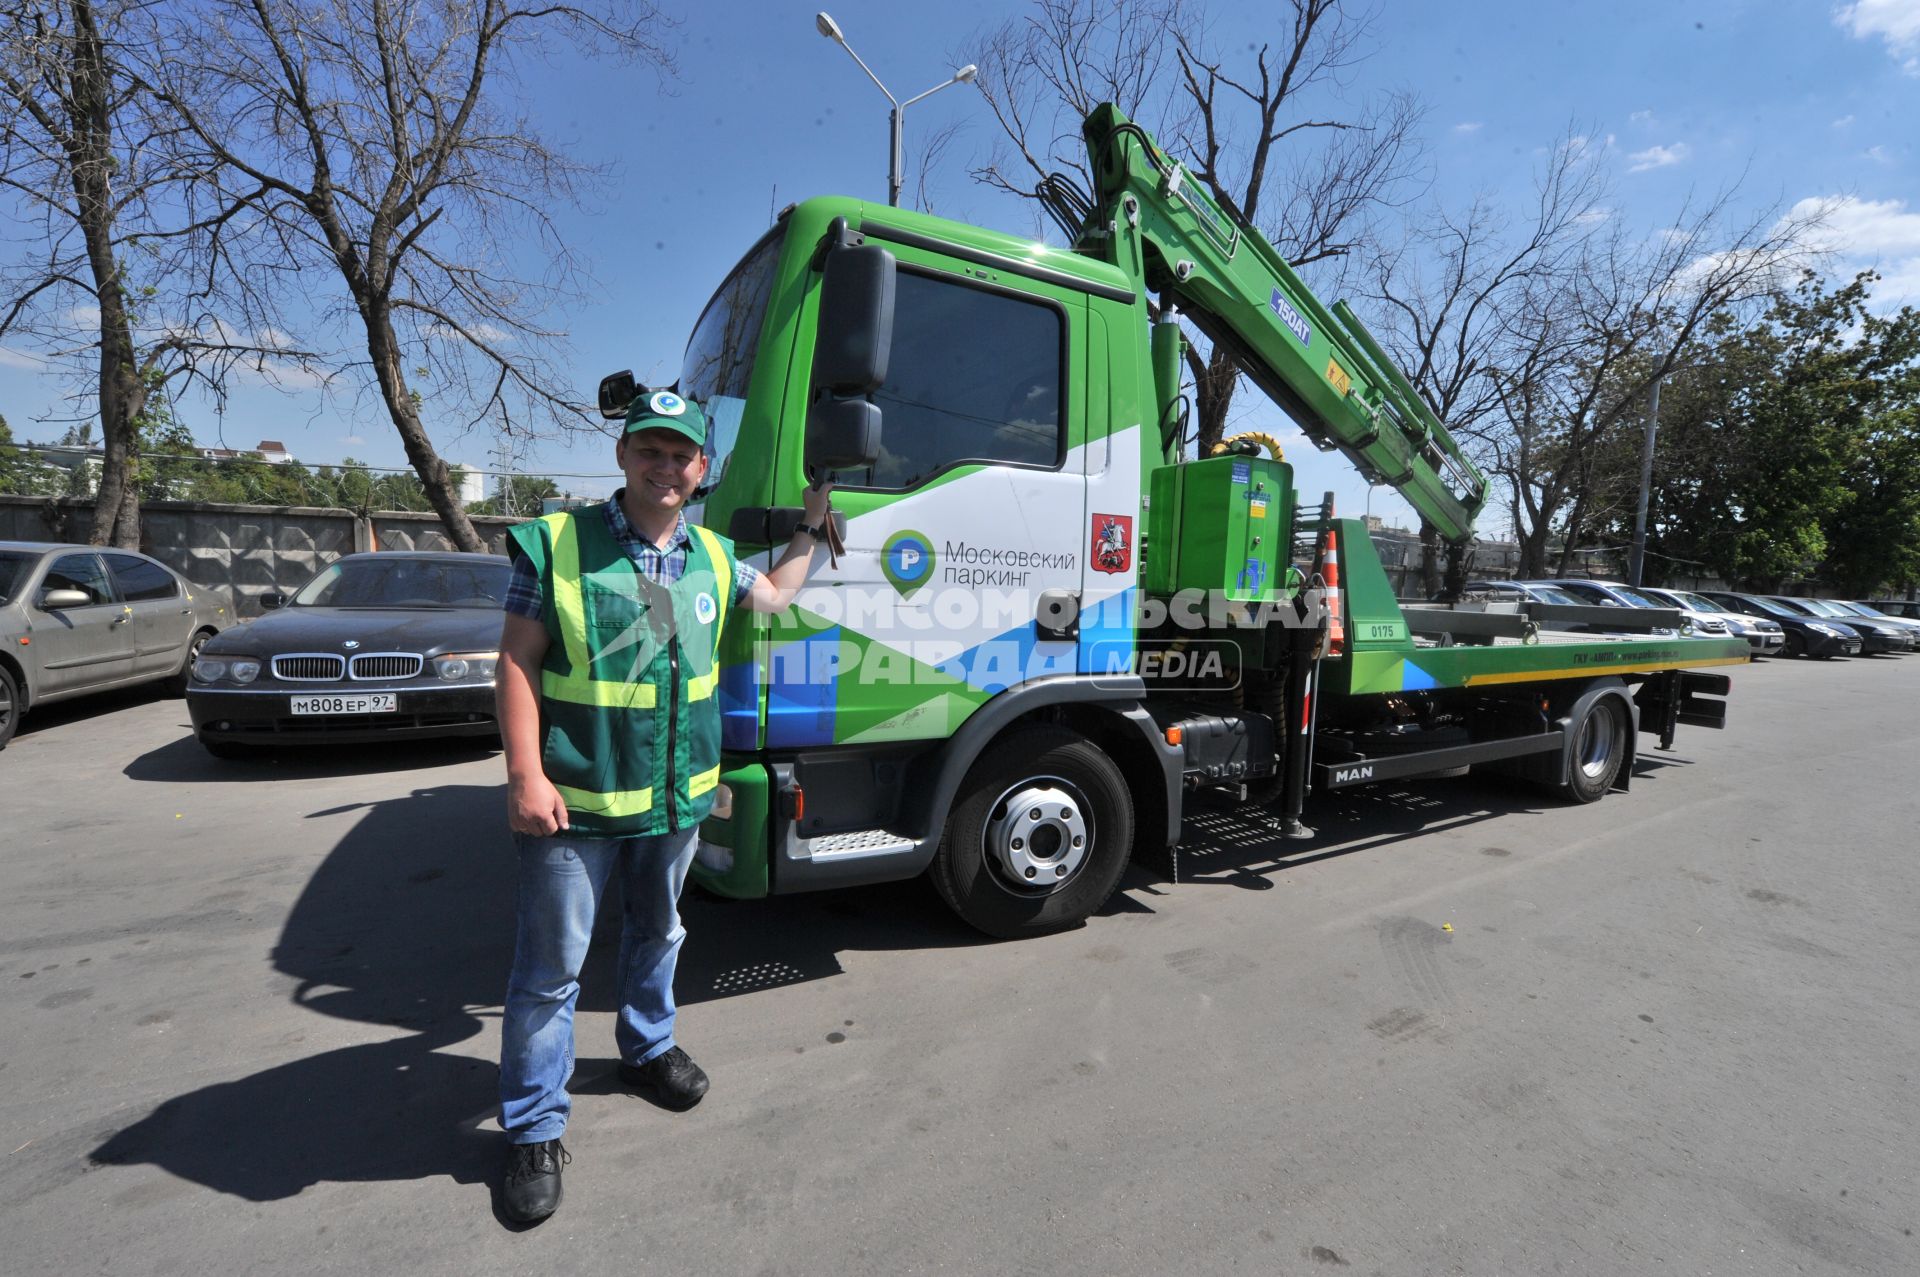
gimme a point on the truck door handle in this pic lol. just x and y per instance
(772, 525)
(1057, 615)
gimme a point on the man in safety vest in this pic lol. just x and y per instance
(611, 725)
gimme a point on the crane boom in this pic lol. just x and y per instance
(1320, 365)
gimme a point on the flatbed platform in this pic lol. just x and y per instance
(1555, 655)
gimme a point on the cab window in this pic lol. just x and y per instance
(975, 375)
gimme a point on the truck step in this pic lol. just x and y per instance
(858, 842)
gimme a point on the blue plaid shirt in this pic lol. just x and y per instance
(662, 567)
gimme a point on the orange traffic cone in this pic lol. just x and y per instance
(1330, 582)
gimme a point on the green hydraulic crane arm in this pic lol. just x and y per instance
(1320, 365)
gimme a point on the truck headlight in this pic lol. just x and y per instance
(455, 666)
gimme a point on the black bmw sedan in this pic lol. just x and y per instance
(381, 646)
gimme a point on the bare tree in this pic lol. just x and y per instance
(375, 140)
(112, 285)
(1265, 130)
(1445, 291)
(1583, 349)
(1043, 74)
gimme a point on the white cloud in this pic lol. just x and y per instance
(1658, 157)
(1879, 155)
(1855, 226)
(352, 440)
(20, 359)
(1899, 285)
(1895, 22)
(1640, 117)
(1882, 234)
(1843, 121)
(1467, 127)
(1593, 216)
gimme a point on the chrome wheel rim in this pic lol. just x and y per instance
(1596, 744)
(1038, 834)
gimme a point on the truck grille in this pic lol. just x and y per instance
(309, 667)
(379, 665)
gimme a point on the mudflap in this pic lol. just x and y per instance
(1673, 697)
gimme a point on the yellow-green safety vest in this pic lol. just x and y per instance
(630, 717)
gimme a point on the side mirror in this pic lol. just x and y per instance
(856, 320)
(842, 434)
(272, 599)
(58, 600)
(850, 356)
(616, 392)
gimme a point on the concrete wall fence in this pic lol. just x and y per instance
(244, 551)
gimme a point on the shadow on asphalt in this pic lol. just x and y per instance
(184, 760)
(80, 709)
(409, 924)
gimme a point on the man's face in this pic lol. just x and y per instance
(662, 468)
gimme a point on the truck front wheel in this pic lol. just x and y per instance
(1040, 836)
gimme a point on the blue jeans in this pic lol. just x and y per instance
(561, 882)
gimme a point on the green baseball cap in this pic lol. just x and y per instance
(664, 410)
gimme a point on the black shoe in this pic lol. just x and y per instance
(671, 1078)
(531, 1191)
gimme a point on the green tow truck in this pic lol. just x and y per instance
(1049, 629)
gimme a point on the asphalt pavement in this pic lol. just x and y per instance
(249, 1016)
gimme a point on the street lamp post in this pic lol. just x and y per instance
(824, 23)
(1637, 555)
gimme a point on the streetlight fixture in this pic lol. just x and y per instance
(826, 26)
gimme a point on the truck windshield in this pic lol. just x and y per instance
(720, 353)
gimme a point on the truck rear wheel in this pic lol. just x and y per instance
(1599, 745)
(1040, 836)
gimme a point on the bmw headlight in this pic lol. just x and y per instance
(456, 666)
(211, 669)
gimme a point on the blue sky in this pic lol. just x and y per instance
(1795, 101)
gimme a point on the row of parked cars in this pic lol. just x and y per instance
(1772, 624)
(395, 645)
(374, 647)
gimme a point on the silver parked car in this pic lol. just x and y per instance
(1765, 637)
(80, 618)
